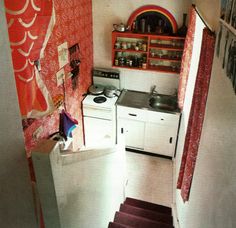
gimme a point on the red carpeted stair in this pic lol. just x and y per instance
(140, 214)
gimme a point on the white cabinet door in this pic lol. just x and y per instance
(98, 132)
(133, 132)
(160, 139)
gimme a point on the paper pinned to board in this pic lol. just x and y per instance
(63, 54)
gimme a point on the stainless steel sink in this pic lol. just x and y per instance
(143, 100)
(163, 102)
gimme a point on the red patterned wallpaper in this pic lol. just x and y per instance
(73, 24)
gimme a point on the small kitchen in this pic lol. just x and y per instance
(147, 103)
(132, 102)
(122, 84)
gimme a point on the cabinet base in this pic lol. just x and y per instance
(147, 153)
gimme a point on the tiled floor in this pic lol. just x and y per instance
(149, 178)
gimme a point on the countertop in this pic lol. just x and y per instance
(140, 100)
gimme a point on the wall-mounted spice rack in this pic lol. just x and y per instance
(147, 51)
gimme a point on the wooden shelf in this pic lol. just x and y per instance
(165, 47)
(166, 69)
(163, 58)
(131, 68)
(151, 40)
(163, 69)
(130, 50)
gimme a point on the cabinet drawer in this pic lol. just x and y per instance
(163, 118)
(131, 113)
(98, 113)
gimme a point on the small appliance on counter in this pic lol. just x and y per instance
(99, 108)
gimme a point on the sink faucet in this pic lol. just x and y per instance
(153, 91)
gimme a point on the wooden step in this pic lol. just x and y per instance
(148, 205)
(138, 222)
(117, 225)
(149, 214)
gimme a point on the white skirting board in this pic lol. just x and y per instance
(175, 216)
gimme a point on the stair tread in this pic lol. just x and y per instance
(147, 205)
(144, 213)
(118, 225)
(138, 222)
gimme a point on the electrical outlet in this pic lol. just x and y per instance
(60, 77)
(37, 132)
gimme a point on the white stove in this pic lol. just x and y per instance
(97, 101)
(99, 111)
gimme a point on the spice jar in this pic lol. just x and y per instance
(128, 45)
(124, 45)
(121, 61)
(130, 62)
(116, 62)
(144, 47)
(144, 65)
(117, 45)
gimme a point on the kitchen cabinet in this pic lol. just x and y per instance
(134, 133)
(149, 131)
(131, 123)
(99, 132)
(147, 51)
(161, 133)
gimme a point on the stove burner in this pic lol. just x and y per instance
(99, 99)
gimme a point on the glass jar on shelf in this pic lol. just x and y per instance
(124, 45)
(152, 53)
(117, 45)
(175, 67)
(144, 47)
(160, 53)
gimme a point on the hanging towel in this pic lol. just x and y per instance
(67, 124)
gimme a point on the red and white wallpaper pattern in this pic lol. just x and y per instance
(36, 28)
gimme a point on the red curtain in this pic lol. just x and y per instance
(186, 59)
(197, 112)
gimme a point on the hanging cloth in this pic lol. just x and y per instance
(67, 124)
(196, 118)
(186, 59)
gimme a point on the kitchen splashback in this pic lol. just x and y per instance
(143, 81)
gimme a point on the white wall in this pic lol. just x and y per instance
(212, 202)
(209, 10)
(109, 12)
(16, 201)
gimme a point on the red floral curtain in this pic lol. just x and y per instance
(197, 112)
(186, 59)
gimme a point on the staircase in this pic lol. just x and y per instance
(135, 213)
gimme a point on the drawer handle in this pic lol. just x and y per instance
(162, 119)
(170, 141)
(131, 114)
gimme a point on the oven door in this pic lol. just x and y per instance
(99, 132)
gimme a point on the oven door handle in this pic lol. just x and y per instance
(131, 114)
